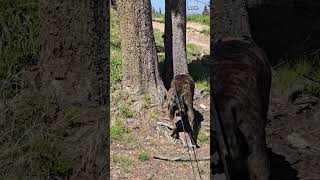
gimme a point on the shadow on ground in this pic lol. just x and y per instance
(281, 169)
(199, 69)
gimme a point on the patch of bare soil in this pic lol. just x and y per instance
(155, 140)
(193, 36)
(197, 26)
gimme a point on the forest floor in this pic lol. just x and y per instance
(293, 136)
(132, 153)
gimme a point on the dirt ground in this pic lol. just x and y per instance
(155, 140)
(293, 135)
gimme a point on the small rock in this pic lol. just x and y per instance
(201, 91)
(306, 100)
(129, 120)
(203, 106)
(297, 141)
(219, 176)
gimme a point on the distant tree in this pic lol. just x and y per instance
(160, 11)
(140, 61)
(205, 10)
(154, 10)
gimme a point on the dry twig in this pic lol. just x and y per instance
(181, 158)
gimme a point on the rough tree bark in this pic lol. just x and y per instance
(175, 41)
(228, 18)
(140, 62)
(113, 4)
(74, 63)
(168, 70)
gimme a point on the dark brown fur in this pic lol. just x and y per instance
(241, 79)
(182, 89)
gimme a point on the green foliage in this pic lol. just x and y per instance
(203, 138)
(143, 156)
(124, 161)
(115, 50)
(130, 140)
(205, 32)
(118, 129)
(19, 32)
(154, 116)
(193, 52)
(292, 73)
(126, 111)
(203, 84)
(199, 18)
(115, 133)
(146, 101)
(158, 18)
(158, 37)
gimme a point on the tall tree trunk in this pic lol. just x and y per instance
(179, 55)
(113, 4)
(168, 70)
(228, 18)
(140, 62)
(175, 38)
(74, 61)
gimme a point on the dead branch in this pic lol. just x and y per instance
(205, 124)
(276, 66)
(165, 125)
(164, 118)
(311, 79)
(181, 158)
(302, 108)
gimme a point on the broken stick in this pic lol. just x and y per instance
(181, 158)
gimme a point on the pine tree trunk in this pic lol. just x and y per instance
(179, 56)
(228, 18)
(74, 60)
(175, 39)
(168, 70)
(140, 62)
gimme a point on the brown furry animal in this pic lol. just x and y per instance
(241, 79)
(182, 90)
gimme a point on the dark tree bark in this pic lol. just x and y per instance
(113, 4)
(74, 61)
(283, 28)
(228, 18)
(179, 55)
(168, 70)
(140, 62)
(175, 39)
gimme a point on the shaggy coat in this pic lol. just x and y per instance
(241, 80)
(182, 90)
